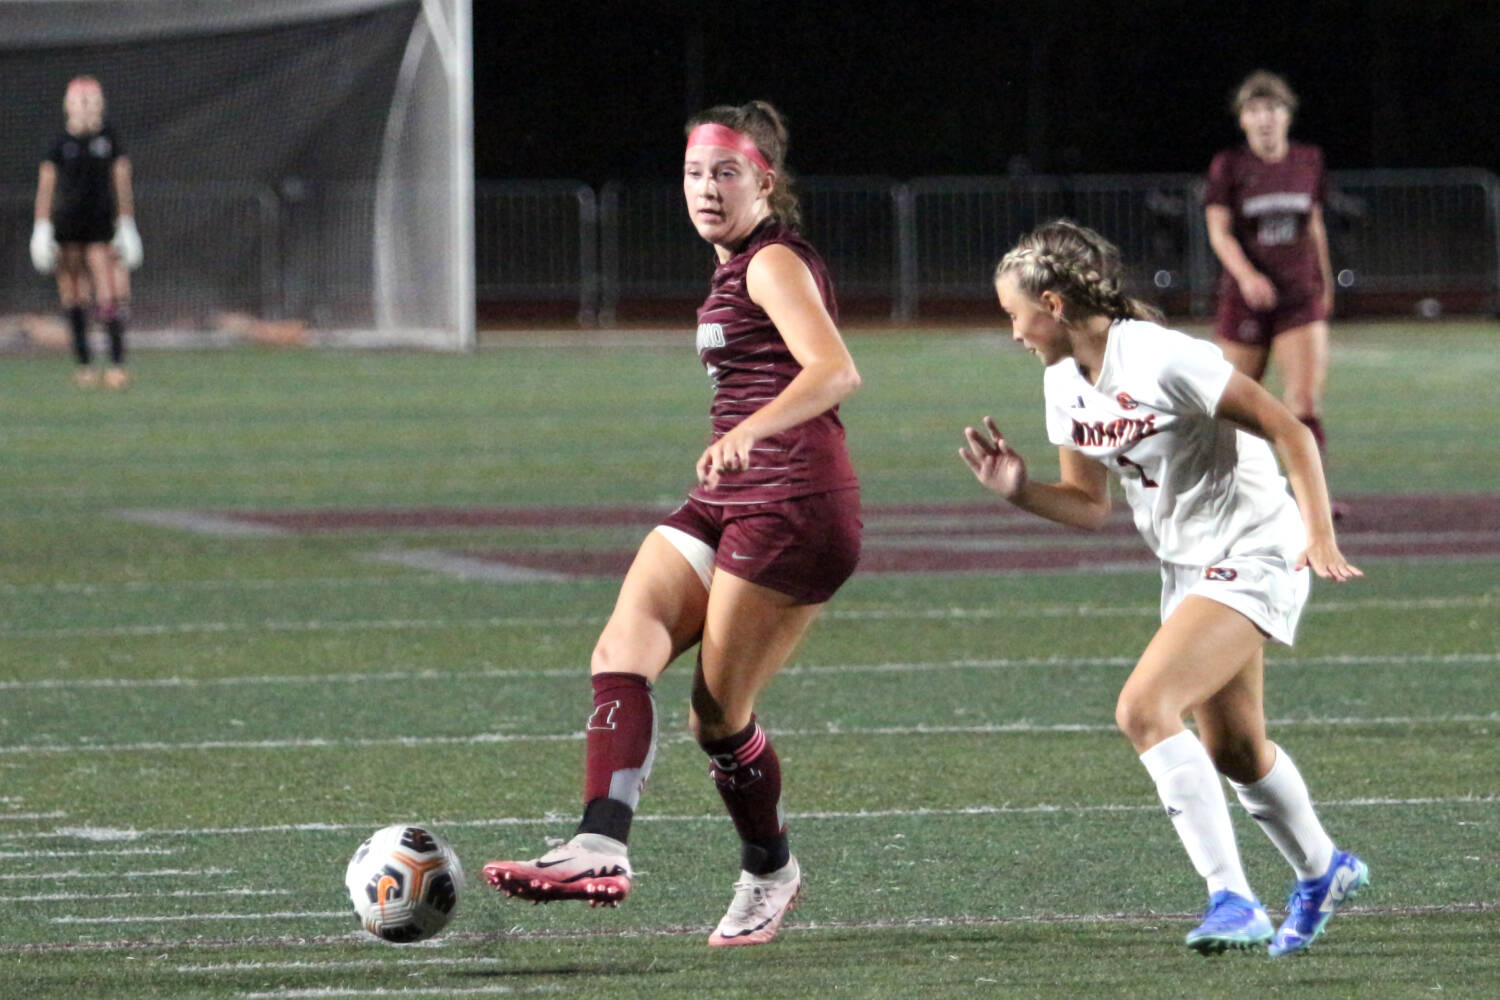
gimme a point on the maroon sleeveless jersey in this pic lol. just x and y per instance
(1270, 204)
(749, 364)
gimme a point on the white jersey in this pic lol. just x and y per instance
(1198, 486)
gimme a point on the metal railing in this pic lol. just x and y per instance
(1396, 232)
(305, 253)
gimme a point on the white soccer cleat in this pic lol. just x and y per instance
(760, 903)
(589, 867)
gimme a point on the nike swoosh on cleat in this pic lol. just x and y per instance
(549, 864)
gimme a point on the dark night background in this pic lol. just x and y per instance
(594, 91)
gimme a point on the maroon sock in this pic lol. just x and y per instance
(748, 775)
(621, 740)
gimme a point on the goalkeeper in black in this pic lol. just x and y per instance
(84, 228)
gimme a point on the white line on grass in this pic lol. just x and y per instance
(58, 897)
(357, 963)
(200, 942)
(58, 814)
(13, 631)
(174, 918)
(832, 730)
(154, 873)
(579, 673)
(31, 855)
(859, 814)
(296, 992)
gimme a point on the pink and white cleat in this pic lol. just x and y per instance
(589, 867)
(760, 902)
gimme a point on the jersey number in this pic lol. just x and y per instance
(1146, 480)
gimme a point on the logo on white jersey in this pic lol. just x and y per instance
(1124, 431)
(710, 335)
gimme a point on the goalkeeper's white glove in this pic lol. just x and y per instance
(127, 242)
(43, 247)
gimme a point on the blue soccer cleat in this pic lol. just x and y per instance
(1231, 921)
(1314, 900)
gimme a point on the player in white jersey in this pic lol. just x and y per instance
(1191, 441)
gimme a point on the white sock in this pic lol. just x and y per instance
(1189, 787)
(1279, 802)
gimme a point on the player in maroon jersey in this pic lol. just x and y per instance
(84, 227)
(1264, 209)
(744, 566)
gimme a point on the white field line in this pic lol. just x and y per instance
(58, 897)
(479, 739)
(36, 855)
(798, 927)
(177, 918)
(981, 729)
(314, 992)
(154, 873)
(58, 814)
(1144, 610)
(580, 672)
(556, 819)
(330, 964)
(90, 588)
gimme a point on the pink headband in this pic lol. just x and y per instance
(711, 134)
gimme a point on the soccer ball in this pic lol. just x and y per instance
(404, 883)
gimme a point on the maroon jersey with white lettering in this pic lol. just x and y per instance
(749, 365)
(1270, 204)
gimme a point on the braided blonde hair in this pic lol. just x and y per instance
(1077, 264)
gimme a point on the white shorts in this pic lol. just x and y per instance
(1260, 585)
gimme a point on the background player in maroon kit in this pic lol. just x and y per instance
(1264, 209)
(85, 227)
(743, 567)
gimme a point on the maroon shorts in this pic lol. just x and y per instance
(1296, 305)
(805, 547)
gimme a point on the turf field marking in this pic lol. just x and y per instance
(356, 963)
(59, 814)
(291, 992)
(911, 923)
(173, 918)
(155, 873)
(4, 855)
(479, 739)
(203, 523)
(1143, 610)
(59, 897)
(578, 673)
(860, 814)
(461, 567)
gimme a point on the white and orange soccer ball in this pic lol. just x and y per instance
(404, 883)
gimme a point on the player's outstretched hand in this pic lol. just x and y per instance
(992, 461)
(1324, 558)
(127, 242)
(43, 247)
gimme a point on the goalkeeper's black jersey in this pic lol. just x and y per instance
(83, 202)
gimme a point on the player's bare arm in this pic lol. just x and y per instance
(46, 184)
(1080, 499)
(780, 283)
(1248, 404)
(1255, 287)
(1317, 231)
(124, 196)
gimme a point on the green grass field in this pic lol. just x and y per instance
(198, 726)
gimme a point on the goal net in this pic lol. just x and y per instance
(302, 167)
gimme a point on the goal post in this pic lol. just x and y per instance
(297, 161)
